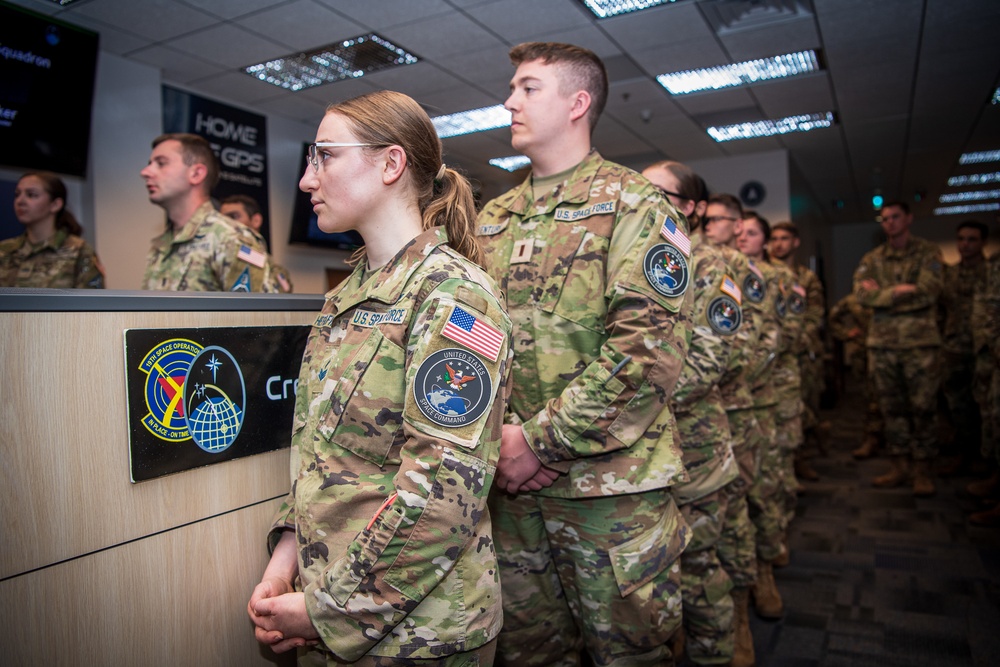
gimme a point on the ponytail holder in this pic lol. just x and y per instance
(440, 173)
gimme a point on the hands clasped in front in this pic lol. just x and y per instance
(279, 616)
(518, 468)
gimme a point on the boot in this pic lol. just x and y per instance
(950, 466)
(923, 485)
(985, 488)
(804, 471)
(867, 448)
(897, 474)
(766, 598)
(677, 646)
(743, 655)
(785, 556)
(988, 518)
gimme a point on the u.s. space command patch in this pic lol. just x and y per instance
(724, 315)
(666, 270)
(453, 388)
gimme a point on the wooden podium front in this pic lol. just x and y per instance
(96, 570)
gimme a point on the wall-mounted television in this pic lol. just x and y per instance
(305, 228)
(47, 70)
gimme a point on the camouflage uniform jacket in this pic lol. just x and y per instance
(909, 321)
(211, 253)
(786, 378)
(814, 310)
(716, 320)
(65, 260)
(395, 441)
(960, 282)
(598, 299)
(762, 288)
(848, 315)
(736, 382)
(985, 316)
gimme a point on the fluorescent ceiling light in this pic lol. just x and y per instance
(974, 179)
(738, 74)
(996, 96)
(768, 128)
(973, 208)
(475, 120)
(982, 156)
(512, 163)
(348, 59)
(972, 195)
(602, 9)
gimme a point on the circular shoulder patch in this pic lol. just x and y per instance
(796, 303)
(724, 315)
(754, 288)
(781, 306)
(666, 270)
(453, 388)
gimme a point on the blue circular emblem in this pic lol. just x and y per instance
(453, 388)
(754, 288)
(666, 270)
(724, 315)
(796, 303)
(215, 399)
(166, 367)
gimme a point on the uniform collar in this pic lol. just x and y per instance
(54, 242)
(575, 189)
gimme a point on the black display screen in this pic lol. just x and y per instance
(47, 70)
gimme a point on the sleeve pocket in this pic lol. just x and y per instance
(346, 573)
(639, 560)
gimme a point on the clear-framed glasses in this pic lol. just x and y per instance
(312, 153)
(716, 218)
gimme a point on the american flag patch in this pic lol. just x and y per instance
(799, 289)
(756, 271)
(255, 257)
(672, 233)
(730, 288)
(473, 333)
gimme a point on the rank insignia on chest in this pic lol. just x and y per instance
(724, 315)
(453, 388)
(522, 251)
(666, 269)
(674, 236)
(465, 328)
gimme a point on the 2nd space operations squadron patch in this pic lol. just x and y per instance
(666, 270)
(453, 388)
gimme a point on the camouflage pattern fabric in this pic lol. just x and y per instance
(906, 383)
(607, 569)
(849, 317)
(766, 500)
(211, 253)
(595, 272)
(959, 285)
(737, 548)
(394, 445)
(705, 586)
(64, 261)
(985, 328)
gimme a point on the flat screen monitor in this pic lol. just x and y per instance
(47, 70)
(305, 228)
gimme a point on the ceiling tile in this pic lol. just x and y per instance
(176, 65)
(388, 13)
(524, 20)
(302, 25)
(425, 38)
(154, 19)
(228, 45)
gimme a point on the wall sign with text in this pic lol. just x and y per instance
(207, 395)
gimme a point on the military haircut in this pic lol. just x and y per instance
(580, 69)
(786, 225)
(729, 201)
(248, 203)
(765, 226)
(195, 150)
(984, 231)
(901, 205)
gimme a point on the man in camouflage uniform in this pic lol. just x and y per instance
(849, 322)
(718, 347)
(985, 324)
(396, 433)
(201, 250)
(594, 263)
(959, 283)
(782, 247)
(246, 211)
(900, 281)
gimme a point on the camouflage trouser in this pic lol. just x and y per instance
(603, 573)
(874, 426)
(957, 383)
(736, 548)
(766, 500)
(907, 383)
(484, 655)
(994, 417)
(812, 381)
(708, 607)
(982, 390)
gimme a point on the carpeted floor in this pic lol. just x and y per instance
(880, 578)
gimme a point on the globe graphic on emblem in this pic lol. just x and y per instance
(448, 402)
(215, 423)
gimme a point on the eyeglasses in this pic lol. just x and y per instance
(673, 194)
(715, 218)
(312, 153)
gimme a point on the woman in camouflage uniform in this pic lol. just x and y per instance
(50, 253)
(382, 552)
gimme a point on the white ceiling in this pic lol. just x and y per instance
(910, 81)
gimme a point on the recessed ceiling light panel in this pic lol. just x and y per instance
(602, 9)
(972, 195)
(974, 179)
(475, 120)
(769, 128)
(739, 74)
(981, 156)
(347, 59)
(972, 208)
(512, 163)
